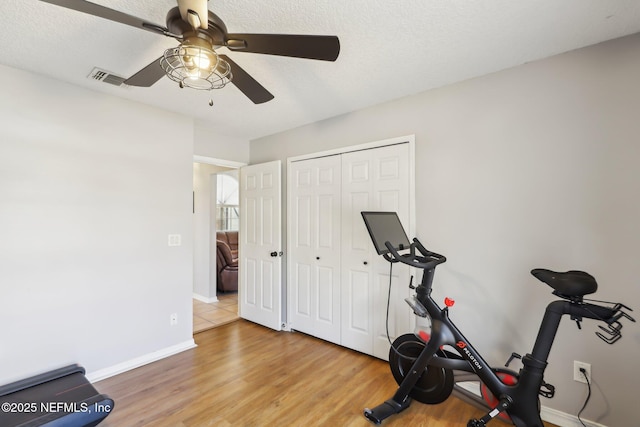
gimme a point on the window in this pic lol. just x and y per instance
(228, 210)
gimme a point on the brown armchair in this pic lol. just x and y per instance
(231, 239)
(227, 268)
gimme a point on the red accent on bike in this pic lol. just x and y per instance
(493, 401)
(508, 379)
(460, 344)
(449, 302)
(424, 336)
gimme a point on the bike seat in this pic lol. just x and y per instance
(571, 283)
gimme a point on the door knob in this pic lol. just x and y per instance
(365, 263)
(274, 254)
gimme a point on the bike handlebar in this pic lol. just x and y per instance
(426, 260)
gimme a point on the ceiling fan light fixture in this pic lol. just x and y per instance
(193, 64)
(199, 29)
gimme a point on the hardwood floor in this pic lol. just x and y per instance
(242, 374)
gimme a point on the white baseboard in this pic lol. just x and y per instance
(547, 414)
(105, 373)
(205, 299)
(563, 419)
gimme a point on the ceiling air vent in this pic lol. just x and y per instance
(105, 77)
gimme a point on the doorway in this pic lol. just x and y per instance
(210, 308)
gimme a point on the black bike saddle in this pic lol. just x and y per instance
(571, 283)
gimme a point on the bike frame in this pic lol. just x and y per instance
(519, 400)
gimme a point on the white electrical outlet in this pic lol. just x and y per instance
(579, 376)
(173, 319)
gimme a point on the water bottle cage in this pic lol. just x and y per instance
(613, 328)
(416, 306)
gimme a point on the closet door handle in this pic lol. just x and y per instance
(318, 257)
(274, 254)
(365, 263)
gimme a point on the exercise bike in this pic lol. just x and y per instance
(423, 363)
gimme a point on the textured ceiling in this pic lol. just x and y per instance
(389, 49)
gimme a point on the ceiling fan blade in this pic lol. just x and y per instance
(110, 14)
(147, 76)
(247, 84)
(325, 48)
(199, 7)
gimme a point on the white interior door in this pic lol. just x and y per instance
(260, 275)
(376, 179)
(314, 247)
(391, 182)
(357, 292)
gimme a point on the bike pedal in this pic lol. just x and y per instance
(504, 404)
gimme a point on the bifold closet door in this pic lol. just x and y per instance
(376, 179)
(314, 278)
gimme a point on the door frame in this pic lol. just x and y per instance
(410, 139)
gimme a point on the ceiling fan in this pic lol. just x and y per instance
(195, 62)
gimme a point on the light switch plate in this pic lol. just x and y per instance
(175, 240)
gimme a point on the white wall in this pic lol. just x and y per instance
(90, 187)
(210, 142)
(536, 166)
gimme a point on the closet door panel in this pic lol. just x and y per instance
(328, 224)
(356, 313)
(316, 216)
(303, 216)
(357, 292)
(328, 184)
(325, 299)
(301, 284)
(301, 300)
(390, 176)
(338, 284)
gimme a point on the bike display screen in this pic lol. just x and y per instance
(386, 227)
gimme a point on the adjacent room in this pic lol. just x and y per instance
(181, 194)
(216, 215)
